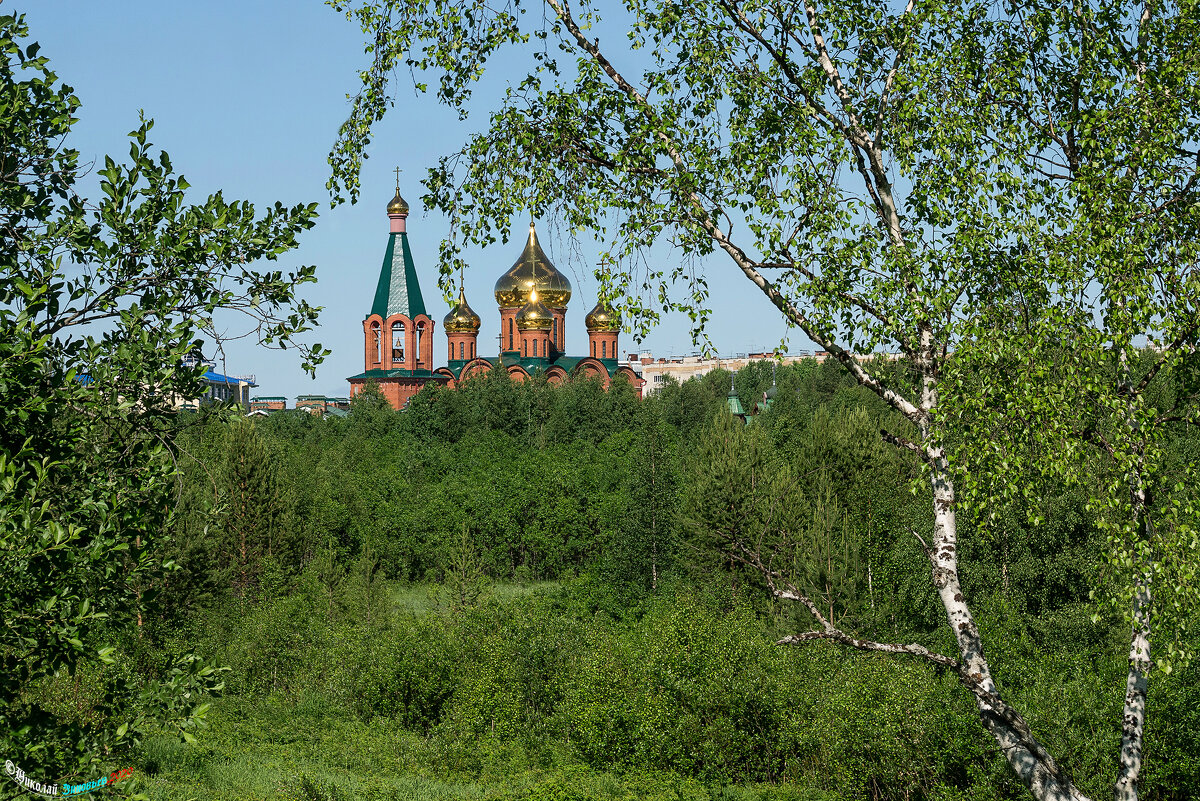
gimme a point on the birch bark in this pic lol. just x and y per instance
(1133, 719)
(1133, 715)
(1028, 759)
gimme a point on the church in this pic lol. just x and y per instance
(532, 299)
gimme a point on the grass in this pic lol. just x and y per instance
(423, 599)
(271, 750)
(266, 750)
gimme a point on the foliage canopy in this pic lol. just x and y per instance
(99, 303)
(939, 179)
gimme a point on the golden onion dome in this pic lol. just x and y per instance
(602, 318)
(398, 205)
(462, 318)
(534, 315)
(533, 271)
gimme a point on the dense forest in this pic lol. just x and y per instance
(528, 591)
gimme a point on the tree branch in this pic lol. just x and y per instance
(992, 708)
(887, 85)
(747, 266)
(904, 444)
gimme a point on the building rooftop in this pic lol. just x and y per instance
(217, 378)
(398, 291)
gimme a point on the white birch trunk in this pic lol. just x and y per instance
(1031, 762)
(1036, 769)
(1134, 715)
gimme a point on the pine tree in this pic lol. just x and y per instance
(647, 543)
(742, 497)
(465, 580)
(250, 510)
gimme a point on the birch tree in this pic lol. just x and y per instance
(1111, 115)
(904, 178)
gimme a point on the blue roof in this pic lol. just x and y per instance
(217, 378)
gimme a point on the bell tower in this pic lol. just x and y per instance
(397, 333)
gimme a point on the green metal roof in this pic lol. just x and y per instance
(398, 291)
(734, 404)
(397, 373)
(455, 366)
(569, 363)
(533, 364)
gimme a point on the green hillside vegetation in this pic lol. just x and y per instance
(526, 591)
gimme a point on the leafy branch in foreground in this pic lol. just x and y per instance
(99, 303)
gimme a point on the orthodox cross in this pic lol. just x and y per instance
(397, 179)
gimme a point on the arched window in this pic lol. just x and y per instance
(604, 350)
(378, 342)
(420, 338)
(397, 342)
(472, 351)
(554, 329)
(593, 348)
(511, 345)
(535, 348)
(461, 346)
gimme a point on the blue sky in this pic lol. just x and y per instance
(247, 98)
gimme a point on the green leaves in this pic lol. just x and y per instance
(1005, 195)
(98, 305)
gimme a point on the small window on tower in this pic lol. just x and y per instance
(604, 350)
(535, 347)
(461, 347)
(397, 342)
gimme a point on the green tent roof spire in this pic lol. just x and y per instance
(732, 402)
(398, 291)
